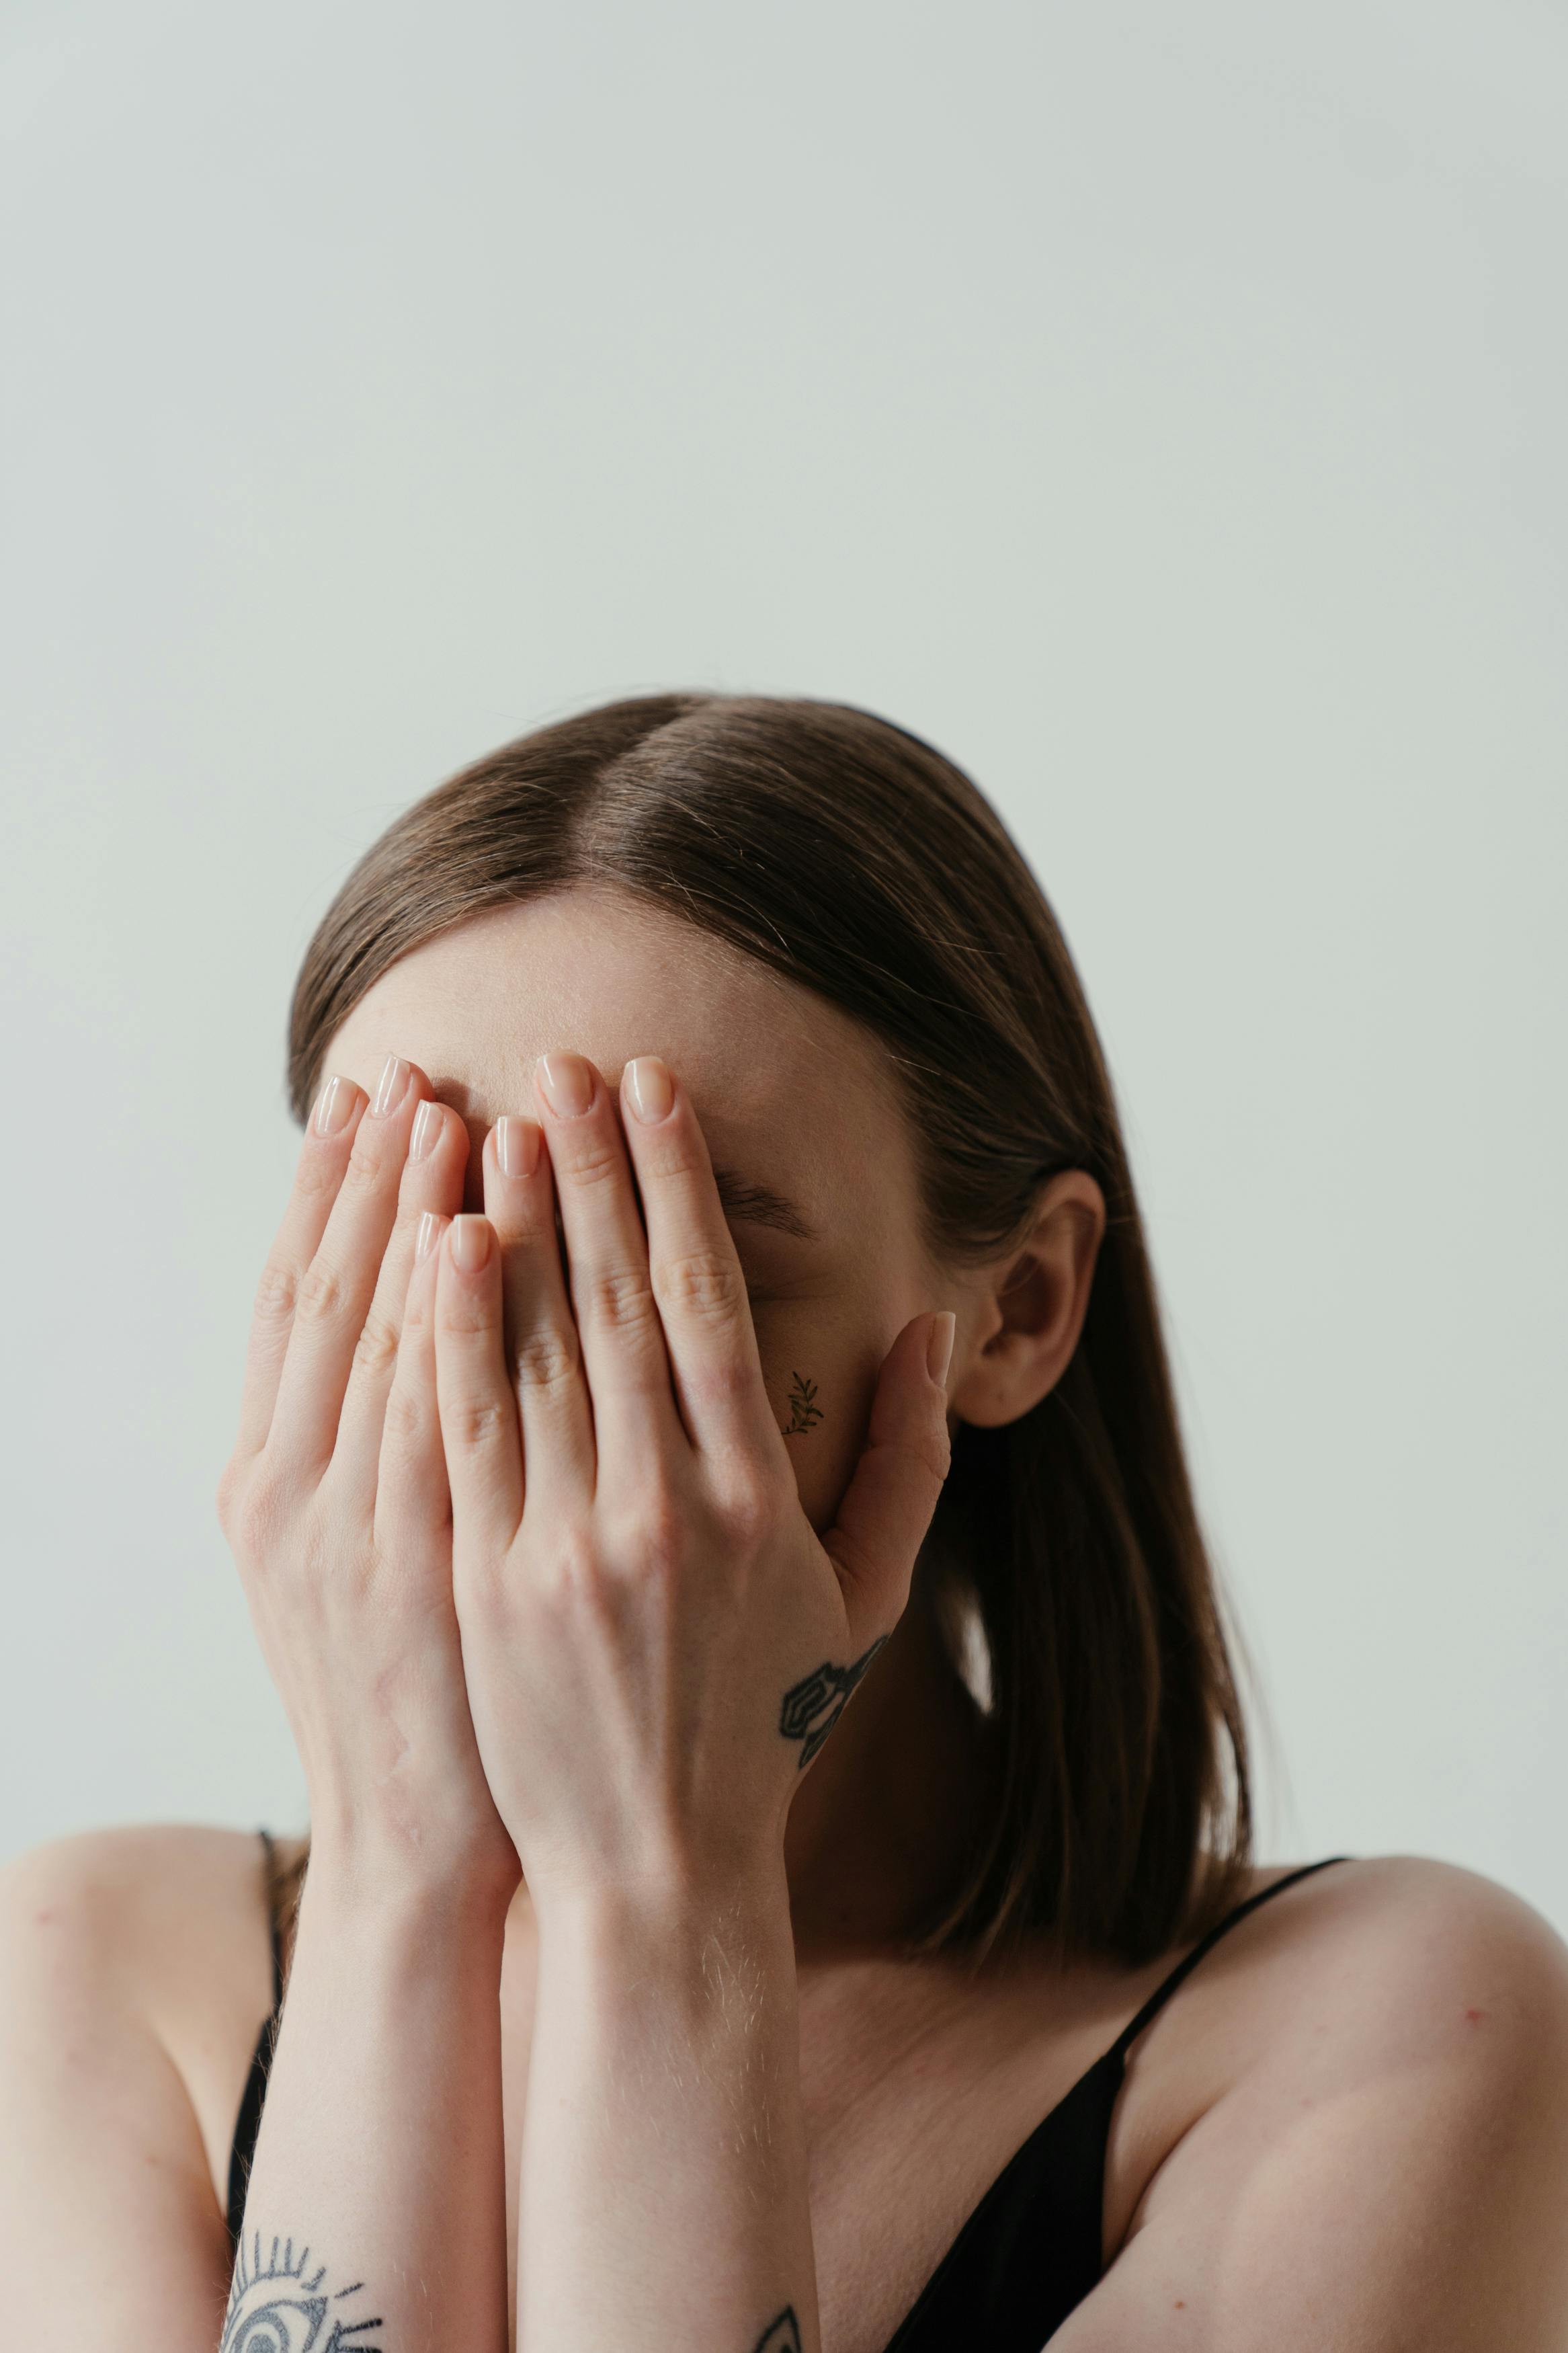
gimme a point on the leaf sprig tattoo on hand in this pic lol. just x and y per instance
(804, 1413)
(813, 1705)
(273, 2307)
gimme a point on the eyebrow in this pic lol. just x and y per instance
(738, 1197)
(759, 1205)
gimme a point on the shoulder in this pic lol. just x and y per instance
(133, 1974)
(1402, 1954)
(139, 1939)
(1389, 1968)
(124, 1903)
(1378, 2105)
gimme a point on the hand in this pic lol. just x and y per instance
(335, 1501)
(656, 1641)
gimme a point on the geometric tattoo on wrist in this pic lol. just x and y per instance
(274, 2308)
(813, 1705)
(780, 2336)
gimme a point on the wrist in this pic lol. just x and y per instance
(357, 1870)
(671, 1917)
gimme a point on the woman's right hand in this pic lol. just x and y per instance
(335, 1500)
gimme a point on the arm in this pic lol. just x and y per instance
(376, 2200)
(656, 1645)
(110, 2231)
(375, 2215)
(664, 2166)
(1390, 2173)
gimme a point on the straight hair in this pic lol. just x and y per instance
(849, 856)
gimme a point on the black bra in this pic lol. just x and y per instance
(1029, 2252)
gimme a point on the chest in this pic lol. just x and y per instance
(918, 2088)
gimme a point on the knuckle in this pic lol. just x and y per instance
(660, 1530)
(376, 1350)
(408, 1420)
(319, 1176)
(319, 1298)
(475, 1424)
(275, 1294)
(750, 1509)
(620, 1299)
(703, 1283)
(567, 1568)
(936, 1453)
(230, 1486)
(594, 1159)
(257, 1514)
(365, 1171)
(545, 1359)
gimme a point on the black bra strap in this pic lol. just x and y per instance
(270, 1853)
(1162, 1992)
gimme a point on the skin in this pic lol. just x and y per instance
(1348, 2130)
(793, 1097)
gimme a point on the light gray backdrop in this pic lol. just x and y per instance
(1160, 410)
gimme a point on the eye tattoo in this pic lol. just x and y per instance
(780, 2335)
(810, 1709)
(804, 1413)
(274, 2308)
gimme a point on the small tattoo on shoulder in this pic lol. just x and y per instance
(804, 1410)
(282, 2306)
(813, 1705)
(780, 2335)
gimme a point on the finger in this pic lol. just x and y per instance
(695, 1271)
(888, 1503)
(412, 1494)
(539, 1334)
(480, 1430)
(618, 1324)
(324, 1157)
(337, 1287)
(431, 1180)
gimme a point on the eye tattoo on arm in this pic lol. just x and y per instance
(804, 1413)
(813, 1705)
(274, 2307)
(780, 2335)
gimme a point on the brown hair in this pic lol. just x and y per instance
(852, 858)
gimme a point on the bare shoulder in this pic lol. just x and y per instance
(1387, 1958)
(1411, 1933)
(154, 1931)
(145, 1906)
(1377, 2150)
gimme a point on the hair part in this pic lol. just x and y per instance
(858, 862)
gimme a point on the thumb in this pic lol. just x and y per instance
(888, 1503)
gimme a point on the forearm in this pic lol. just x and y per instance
(664, 2196)
(380, 2149)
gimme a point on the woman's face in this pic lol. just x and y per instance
(808, 1140)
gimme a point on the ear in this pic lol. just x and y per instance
(1025, 1314)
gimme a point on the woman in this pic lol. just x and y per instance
(709, 1491)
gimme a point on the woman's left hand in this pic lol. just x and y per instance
(656, 1641)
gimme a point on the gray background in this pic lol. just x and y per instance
(1162, 410)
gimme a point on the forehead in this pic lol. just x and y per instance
(790, 1091)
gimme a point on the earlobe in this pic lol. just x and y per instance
(1032, 1308)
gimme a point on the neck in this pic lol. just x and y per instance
(881, 1826)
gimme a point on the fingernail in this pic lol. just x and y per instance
(428, 1122)
(390, 1085)
(650, 1087)
(517, 1145)
(334, 1106)
(939, 1348)
(429, 1234)
(470, 1242)
(568, 1084)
